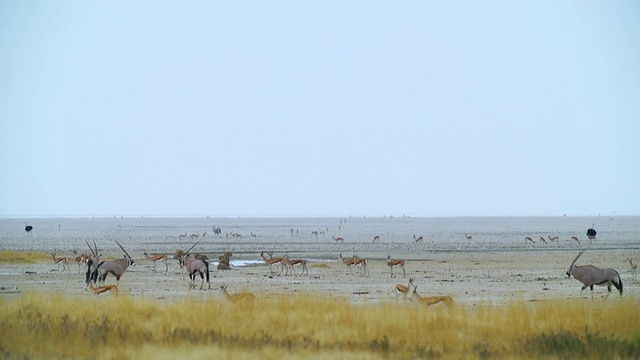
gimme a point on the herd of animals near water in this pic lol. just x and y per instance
(197, 265)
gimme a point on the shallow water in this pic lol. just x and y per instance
(296, 235)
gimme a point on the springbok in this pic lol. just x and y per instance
(363, 265)
(156, 258)
(416, 239)
(272, 261)
(575, 238)
(338, 239)
(103, 289)
(529, 239)
(114, 267)
(61, 260)
(590, 275)
(403, 291)
(634, 269)
(555, 238)
(468, 236)
(392, 263)
(243, 296)
(376, 239)
(432, 300)
(290, 263)
(542, 240)
(348, 262)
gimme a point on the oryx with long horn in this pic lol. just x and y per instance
(193, 266)
(114, 267)
(92, 264)
(590, 275)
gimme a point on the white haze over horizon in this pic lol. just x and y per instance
(259, 109)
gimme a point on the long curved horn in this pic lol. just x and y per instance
(191, 248)
(576, 259)
(90, 248)
(125, 251)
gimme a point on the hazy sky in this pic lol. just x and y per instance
(275, 108)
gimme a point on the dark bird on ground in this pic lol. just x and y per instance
(28, 228)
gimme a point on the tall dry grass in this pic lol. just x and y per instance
(22, 257)
(56, 326)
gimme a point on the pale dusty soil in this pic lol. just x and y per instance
(470, 277)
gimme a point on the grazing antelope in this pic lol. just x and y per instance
(243, 296)
(182, 236)
(542, 240)
(529, 239)
(290, 263)
(555, 238)
(272, 261)
(634, 269)
(60, 260)
(338, 239)
(590, 275)
(417, 239)
(363, 265)
(392, 263)
(156, 258)
(432, 300)
(193, 236)
(575, 238)
(103, 289)
(348, 262)
(402, 290)
(468, 236)
(376, 239)
(114, 267)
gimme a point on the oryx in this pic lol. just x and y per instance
(114, 267)
(590, 275)
(92, 264)
(193, 266)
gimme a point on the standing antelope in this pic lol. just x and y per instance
(92, 264)
(417, 239)
(194, 265)
(634, 269)
(114, 267)
(555, 238)
(392, 263)
(272, 261)
(432, 300)
(290, 263)
(60, 260)
(156, 258)
(348, 262)
(338, 239)
(590, 275)
(243, 296)
(403, 291)
(363, 265)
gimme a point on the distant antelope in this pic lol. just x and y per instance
(272, 261)
(529, 239)
(634, 269)
(590, 275)
(555, 238)
(376, 239)
(402, 290)
(182, 236)
(60, 260)
(338, 239)
(432, 300)
(417, 239)
(156, 258)
(290, 263)
(114, 267)
(575, 238)
(392, 263)
(243, 296)
(468, 236)
(363, 265)
(542, 240)
(348, 262)
(193, 236)
(103, 289)
(80, 260)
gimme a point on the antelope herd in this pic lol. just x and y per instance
(197, 265)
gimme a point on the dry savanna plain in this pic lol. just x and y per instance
(509, 297)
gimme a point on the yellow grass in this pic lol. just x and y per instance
(19, 257)
(56, 326)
